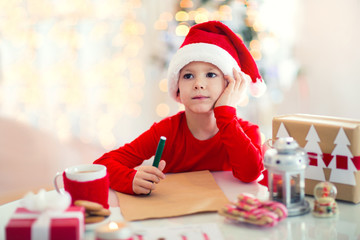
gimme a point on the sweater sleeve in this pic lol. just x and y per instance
(243, 144)
(120, 163)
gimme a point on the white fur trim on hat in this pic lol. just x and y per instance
(203, 52)
(258, 88)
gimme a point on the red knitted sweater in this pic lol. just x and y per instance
(236, 147)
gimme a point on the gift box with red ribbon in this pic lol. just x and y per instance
(46, 216)
(333, 148)
(54, 225)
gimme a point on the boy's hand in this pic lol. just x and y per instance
(146, 177)
(234, 91)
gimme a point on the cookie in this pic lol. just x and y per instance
(94, 212)
(251, 210)
(278, 208)
(89, 206)
(94, 219)
(249, 200)
(256, 217)
(102, 212)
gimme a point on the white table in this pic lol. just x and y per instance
(345, 226)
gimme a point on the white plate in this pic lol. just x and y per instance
(93, 226)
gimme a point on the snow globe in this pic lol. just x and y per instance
(324, 204)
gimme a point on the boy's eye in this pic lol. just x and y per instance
(211, 75)
(188, 76)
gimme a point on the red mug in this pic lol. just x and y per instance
(86, 182)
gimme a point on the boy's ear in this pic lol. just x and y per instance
(178, 96)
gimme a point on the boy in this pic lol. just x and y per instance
(207, 75)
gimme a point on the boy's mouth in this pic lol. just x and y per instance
(199, 97)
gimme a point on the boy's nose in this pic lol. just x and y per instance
(199, 84)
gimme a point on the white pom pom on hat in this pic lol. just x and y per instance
(215, 43)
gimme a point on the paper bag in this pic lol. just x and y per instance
(178, 194)
(333, 147)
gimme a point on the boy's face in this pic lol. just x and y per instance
(200, 86)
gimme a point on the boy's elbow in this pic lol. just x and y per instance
(246, 177)
(98, 161)
(102, 160)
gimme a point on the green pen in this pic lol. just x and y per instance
(158, 154)
(159, 151)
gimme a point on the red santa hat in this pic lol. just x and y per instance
(215, 43)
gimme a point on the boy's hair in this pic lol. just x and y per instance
(215, 43)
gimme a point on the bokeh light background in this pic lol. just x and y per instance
(96, 69)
